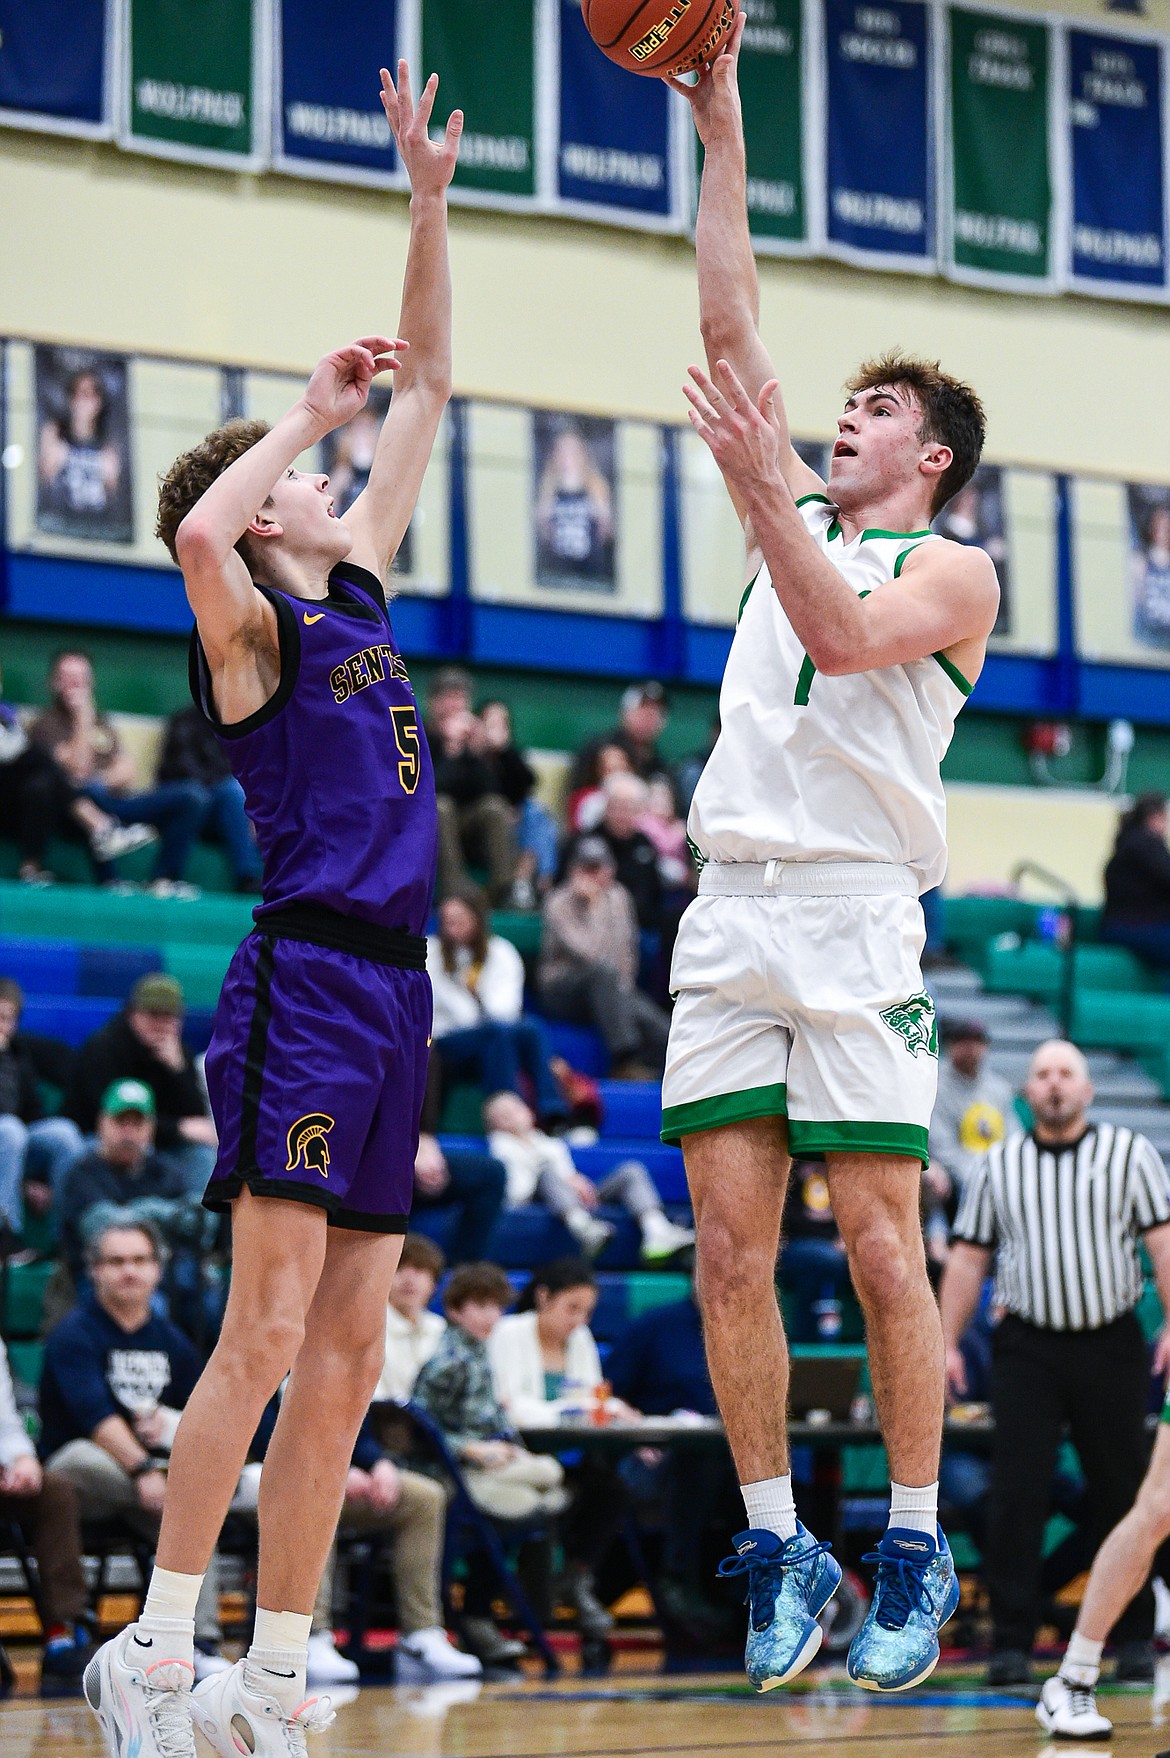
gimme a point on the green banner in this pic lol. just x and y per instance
(190, 88)
(484, 52)
(1001, 185)
(773, 120)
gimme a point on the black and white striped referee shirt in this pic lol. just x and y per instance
(1064, 1223)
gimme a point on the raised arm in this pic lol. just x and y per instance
(729, 288)
(381, 513)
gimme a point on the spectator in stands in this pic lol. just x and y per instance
(468, 1182)
(589, 963)
(192, 753)
(85, 743)
(635, 857)
(545, 1363)
(541, 1166)
(30, 1143)
(480, 1031)
(44, 1505)
(475, 822)
(585, 807)
(537, 832)
(659, 1365)
(123, 1177)
(145, 1043)
(974, 1109)
(1137, 882)
(38, 801)
(115, 1378)
(661, 822)
(412, 1330)
(643, 719)
(814, 1269)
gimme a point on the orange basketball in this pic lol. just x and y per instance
(659, 36)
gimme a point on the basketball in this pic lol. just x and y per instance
(659, 36)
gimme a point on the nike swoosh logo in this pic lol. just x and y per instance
(310, 620)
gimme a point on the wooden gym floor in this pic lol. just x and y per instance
(646, 1715)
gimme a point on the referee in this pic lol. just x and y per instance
(1061, 1210)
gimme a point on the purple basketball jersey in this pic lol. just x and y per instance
(335, 768)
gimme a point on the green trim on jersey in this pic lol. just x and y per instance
(835, 531)
(723, 1108)
(747, 594)
(805, 498)
(1165, 1416)
(954, 674)
(807, 1141)
(867, 534)
(903, 556)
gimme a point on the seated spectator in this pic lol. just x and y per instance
(635, 857)
(38, 801)
(461, 1179)
(545, 1362)
(537, 831)
(44, 1505)
(25, 1131)
(86, 745)
(115, 1379)
(412, 1330)
(1137, 882)
(643, 719)
(479, 1029)
(585, 807)
(503, 1478)
(540, 1167)
(661, 823)
(974, 1108)
(814, 1270)
(145, 1043)
(589, 964)
(192, 753)
(475, 822)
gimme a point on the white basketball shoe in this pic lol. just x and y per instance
(235, 1719)
(141, 1699)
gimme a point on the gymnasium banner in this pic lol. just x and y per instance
(484, 52)
(1000, 189)
(329, 120)
(614, 145)
(54, 67)
(879, 176)
(775, 120)
(191, 89)
(1117, 159)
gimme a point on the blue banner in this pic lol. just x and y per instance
(878, 154)
(613, 150)
(1118, 162)
(53, 63)
(330, 115)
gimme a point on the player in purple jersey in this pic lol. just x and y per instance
(318, 1060)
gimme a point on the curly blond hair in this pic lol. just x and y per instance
(190, 476)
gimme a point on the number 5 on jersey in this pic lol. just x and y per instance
(406, 738)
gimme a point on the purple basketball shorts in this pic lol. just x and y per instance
(316, 1072)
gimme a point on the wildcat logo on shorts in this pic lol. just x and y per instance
(915, 1024)
(307, 1145)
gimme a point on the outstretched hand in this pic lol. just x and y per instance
(430, 164)
(341, 382)
(714, 97)
(744, 437)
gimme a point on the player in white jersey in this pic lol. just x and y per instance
(802, 1024)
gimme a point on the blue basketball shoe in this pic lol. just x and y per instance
(917, 1591)
(788, 1583)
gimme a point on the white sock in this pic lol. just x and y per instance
(915, 1510)
(770, 1507)
(167, 1619)
(1082, 1661)
(276, 1663)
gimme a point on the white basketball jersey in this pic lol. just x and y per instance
(812, 768)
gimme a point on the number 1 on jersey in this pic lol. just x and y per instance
(406, 738)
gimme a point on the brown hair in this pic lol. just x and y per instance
(421, 1253)
(476, 1282)
(952, 413)
(190, 476)
(472, 898)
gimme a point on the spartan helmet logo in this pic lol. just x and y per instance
(307, 1146)
(914, 1022)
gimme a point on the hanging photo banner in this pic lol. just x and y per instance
(329, 120)
(54, 65)
(1000, 188)
(1117, 155)
(190, 90)
(879, 204)
(614, 146)
(774, 121)
(485, 57)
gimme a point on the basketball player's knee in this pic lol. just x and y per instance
(1153, 1505)
(883, 1270)
(731, 1267)
(261, 1348)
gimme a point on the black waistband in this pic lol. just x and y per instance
(324, 927)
